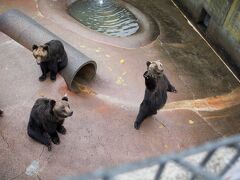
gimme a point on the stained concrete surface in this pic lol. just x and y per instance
(101, 133)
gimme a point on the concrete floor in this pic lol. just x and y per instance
(101, 133)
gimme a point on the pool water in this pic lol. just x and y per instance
(104, 16)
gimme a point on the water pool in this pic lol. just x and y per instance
(104, 16)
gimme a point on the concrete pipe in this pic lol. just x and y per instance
(27, 32)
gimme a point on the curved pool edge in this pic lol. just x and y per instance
(57, 12)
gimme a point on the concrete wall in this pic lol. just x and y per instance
(224, 25)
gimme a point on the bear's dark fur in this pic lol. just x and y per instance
(51, 57)
(47, 118)
(1, 112)
(157, 85)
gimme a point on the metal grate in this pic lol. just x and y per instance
(197, 170)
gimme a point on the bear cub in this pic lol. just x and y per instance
(51, 57)
(157, 85)
(47, 118)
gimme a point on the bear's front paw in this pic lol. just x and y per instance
(137, 125)
(42, 77)
(154, 112)
(173, 89)
(53, 77)
(56, 140)
(62, 130)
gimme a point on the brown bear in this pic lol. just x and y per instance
(51, 57)
(157, 86)
(47, 118)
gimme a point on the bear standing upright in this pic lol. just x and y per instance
(51, 57)
(47, 118)
(157, 85)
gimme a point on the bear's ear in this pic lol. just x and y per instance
(52, 104)
(34, 47)
(65, 98)
(148, 63)
(45, 48)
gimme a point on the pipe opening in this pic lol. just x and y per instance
(83, 76)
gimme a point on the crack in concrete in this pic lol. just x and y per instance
(210, 125)
(4, 139)
(17, 176)
(38, 177)
(41, 152)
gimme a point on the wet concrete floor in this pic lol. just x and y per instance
(101, 133)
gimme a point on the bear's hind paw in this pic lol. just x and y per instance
(42, 77)
(53, 78)
(56, 140)
(62, 130)
(137, 125)
(173, 89)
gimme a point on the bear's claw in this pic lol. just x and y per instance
(173, 89)
(49, 146)
(62, 130)
(53, 78)
(137, 125)
(42, 77)
(56, 140)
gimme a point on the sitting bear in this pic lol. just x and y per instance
(51, 57)
(47, 117)
(155, 97)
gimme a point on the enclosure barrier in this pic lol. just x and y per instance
(27, 32)
(177, 158)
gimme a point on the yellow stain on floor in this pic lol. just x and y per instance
(124, 73)
(122, 61)
(161, 126)
(84, 89)
(190, 122)
(120, 81)
(109, 68)
(39, 14)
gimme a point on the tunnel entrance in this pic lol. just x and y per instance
(204, 19)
